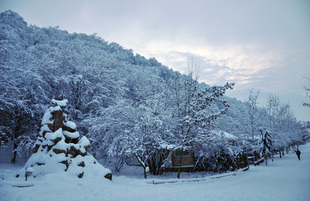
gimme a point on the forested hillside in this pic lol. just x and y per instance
(124, 103)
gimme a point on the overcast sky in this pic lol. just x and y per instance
(264, 45)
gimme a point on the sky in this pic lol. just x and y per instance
(261, 45)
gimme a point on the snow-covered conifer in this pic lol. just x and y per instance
(60, 148)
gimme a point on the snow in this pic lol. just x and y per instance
(61, 145)
(29, 170)
(61, 103)
(53, 109)
(70, 124)
(72, 135)
(47, 117)
(84, 141)
(45, 128)
(51, 163)
(224, 134)
(284, 179)
(168, 146)
(54, 135)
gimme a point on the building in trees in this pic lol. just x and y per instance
(179, 159)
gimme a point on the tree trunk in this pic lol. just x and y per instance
(58, 121)
(16, 134)
(144, 169)
(179, 173)
(142, 164)
(180, 164)
(247, 160)
(13, 161)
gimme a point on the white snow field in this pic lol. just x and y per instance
(285, 179)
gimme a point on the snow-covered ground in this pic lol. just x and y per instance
(284, 179)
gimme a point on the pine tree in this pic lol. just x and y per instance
(60, 148)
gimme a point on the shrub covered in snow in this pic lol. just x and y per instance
(59, 148)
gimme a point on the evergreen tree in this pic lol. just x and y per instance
(60, 148)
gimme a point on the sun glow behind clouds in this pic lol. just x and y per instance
(216, 64)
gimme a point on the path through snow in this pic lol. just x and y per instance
(285, 179)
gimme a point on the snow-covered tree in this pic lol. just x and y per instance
(216, 151)
(59, 147)
(283, 125)
(252, 100)
(195, 109)
(267, 144)
(137, 127)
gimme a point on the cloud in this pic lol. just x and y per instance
(216, 66)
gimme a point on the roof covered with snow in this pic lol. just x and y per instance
(224, 134)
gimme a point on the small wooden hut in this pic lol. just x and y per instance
(179, 159)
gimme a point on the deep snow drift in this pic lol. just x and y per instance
(284, 179)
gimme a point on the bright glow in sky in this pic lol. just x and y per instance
(263, 44)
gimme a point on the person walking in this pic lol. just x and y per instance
(298, 153)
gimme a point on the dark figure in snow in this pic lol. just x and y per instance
(298, 154)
